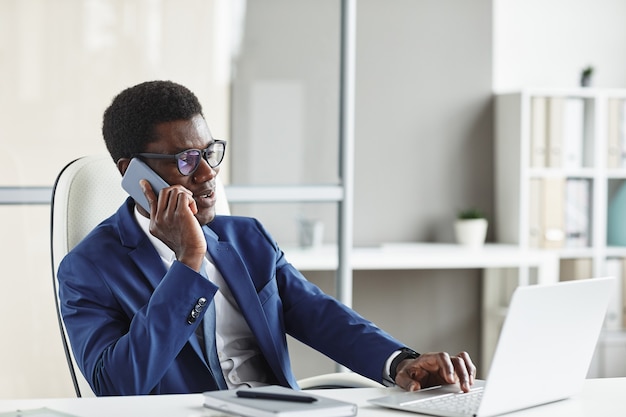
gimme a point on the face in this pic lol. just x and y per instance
(177, 136)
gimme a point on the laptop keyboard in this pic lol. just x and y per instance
(462, 403)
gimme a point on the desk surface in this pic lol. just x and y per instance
(600, 397)
(419, 256)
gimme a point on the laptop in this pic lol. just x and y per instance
(543, 354)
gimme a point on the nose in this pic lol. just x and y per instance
(205, 172)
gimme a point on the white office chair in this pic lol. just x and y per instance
(87, 191)
(337, 380)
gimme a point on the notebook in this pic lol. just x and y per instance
(543, 354)
(229, 401)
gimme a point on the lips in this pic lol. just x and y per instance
(204, 194)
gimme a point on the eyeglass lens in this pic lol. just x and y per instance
(189, 161)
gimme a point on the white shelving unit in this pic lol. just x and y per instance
(520, 165)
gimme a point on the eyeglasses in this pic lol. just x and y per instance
(188, 161)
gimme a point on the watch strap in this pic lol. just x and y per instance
(405, 353)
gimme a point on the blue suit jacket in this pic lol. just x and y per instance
(127, 317)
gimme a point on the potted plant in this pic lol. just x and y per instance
(585, 76)
(471, 227)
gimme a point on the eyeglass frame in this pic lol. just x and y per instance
(204, 154)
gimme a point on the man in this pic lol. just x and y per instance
(138, 293)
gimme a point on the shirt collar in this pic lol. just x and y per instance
(162, 249)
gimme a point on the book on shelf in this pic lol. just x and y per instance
(577, 212)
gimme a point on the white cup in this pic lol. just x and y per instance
(311, 233)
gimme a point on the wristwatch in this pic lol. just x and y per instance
(405, 353)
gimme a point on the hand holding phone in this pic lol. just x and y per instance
(136, 171)
(189, 247)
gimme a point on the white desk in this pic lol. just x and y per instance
(600, 397)
(409, 256)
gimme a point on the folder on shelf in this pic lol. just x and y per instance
(615, 314)
(575, 269)
(534, 217)
(622, 131)
(614, 140)
(621, 283)
(577, 212)
(538, 132)
(547, 213)
(553, 213)
(555, 132)
(573, 132)
(616, 218)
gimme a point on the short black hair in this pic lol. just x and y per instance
(129, 122)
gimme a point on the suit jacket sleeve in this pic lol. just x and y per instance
(127, 318)
(330, 327)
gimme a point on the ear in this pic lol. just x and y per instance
(122, 164)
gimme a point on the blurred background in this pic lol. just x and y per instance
(267, 73)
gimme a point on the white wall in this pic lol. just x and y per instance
(546, 43)
(423, 144)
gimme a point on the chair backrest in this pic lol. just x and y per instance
(87, 191)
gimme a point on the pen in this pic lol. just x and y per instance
(274, 396)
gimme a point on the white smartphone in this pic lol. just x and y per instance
(136, 171)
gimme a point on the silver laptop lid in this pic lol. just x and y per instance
(543, 353)
(546, 344)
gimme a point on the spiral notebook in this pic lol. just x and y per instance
(229, 402)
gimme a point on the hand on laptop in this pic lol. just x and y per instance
(431, 369)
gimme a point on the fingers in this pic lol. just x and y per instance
(170, 199)
(469, 366)
(149, 193)
(459, 368)
(463, 370)
(437, 368)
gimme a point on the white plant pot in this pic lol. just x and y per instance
(471, 232)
